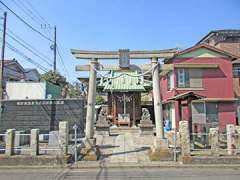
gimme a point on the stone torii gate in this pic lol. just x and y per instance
(124, 55)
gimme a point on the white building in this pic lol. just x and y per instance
(31, 90)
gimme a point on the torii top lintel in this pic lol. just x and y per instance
(145, 54)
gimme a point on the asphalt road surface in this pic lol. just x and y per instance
(122, 173)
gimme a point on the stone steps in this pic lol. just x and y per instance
(121, 130)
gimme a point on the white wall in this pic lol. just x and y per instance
(25, 90)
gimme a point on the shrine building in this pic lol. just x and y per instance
(124, 88)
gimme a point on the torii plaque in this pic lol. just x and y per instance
(124, 58)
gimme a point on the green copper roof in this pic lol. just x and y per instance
(123, 81)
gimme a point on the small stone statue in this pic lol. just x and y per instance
(103, 112)
(102, 126)
(102, 118)
(145, 115)
(146, 126)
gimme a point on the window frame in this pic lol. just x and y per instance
(181, 78)
(170, 81)
(205, 104)
(185, 78)
(182, 74)
(236, 71)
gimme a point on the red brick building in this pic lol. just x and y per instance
(199, 88)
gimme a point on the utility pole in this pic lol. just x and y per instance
(55, 50)
(2, 56)
(54, 45)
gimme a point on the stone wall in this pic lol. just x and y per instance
(42, 114)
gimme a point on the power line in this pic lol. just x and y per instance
(24, 70)
(6, 67)
(26, 57)
(28, 49)
(31, 14)
(27, 44)
(43, 59)
(34, 9)
(21, 19)
(42, 19)
(12, 48)
(36, 14)
(20, 6)
(62, 61)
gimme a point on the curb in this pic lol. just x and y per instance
(33, 167)
(86, 165)
(96, 165)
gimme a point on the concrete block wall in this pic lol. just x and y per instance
(42, 114)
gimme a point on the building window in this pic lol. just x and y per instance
(198, 113)
(170, 81)
(204, 116)
(189, 78)
(211, 113)
(183, 78)
(236, 71)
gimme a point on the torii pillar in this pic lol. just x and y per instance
(157, 99)
(91, 151)
(91, 100)
(159, 150)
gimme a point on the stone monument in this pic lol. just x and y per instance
(102, 126)
(146, 126)
(53, 139)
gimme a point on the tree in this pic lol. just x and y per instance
(73, 91)
(68, 89)
(55, 78)
(99, 100)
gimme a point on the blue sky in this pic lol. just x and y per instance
(114, 24)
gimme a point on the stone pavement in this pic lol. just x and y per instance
(124, 145)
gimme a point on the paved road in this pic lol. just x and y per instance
(117, 174)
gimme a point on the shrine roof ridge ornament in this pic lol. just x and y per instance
(144, 54)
